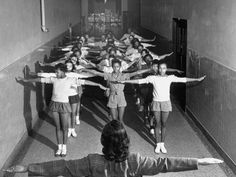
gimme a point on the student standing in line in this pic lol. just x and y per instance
(116, 101)
(116, 160)
(161, 105)
(59, 105)
(76, 94)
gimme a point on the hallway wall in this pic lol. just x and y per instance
(211, 43)
(134, 13)
(23, 43)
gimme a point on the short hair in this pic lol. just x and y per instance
(61, 67)
(155, 62)
(135, 40)
(115, 142)
(74, 49)
(145, 50)
(77, 51)
(148, 62)
(73, 66)
(111, 56)
(140, 45)
(114, 61)
(161, 62)
(112, 49)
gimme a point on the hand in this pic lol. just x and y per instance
(154, 38)
(102, 87)
(180, 72)
(20, 79)
(41, 63)
(209, 161)
(202, 78)
(170, 54)
(16, 169)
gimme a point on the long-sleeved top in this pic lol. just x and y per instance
(95, 165)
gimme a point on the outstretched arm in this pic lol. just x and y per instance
(186, 79)
(152, 166)
(94, 72)
(90, 63)
(125, 36)
(51, 64)
(139, 72)
(132, 63)
(161, 57)
(175, 70)
(94, 84)
(80, 167)
(28, 80)
(135, 81)
(68, 168)
(195, 79)
(146, 40)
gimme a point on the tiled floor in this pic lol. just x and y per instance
(181, 139)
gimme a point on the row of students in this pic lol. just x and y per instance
(112, 72)
(114, 138)
(160, 106)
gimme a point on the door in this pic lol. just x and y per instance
(180, 50)
(104, 16)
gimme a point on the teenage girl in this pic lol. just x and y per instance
(116, 98)
(59, 105)
(161, 105)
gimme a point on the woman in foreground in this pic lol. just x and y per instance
(115, 161)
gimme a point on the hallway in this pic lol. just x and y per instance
(197, 37)
(182, 139)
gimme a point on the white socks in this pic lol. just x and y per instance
(137, 101)
(160, 148)
(77, 121)
(163, 149)
(71, 131)
(59, 150)
(64, 150)
(152, 131)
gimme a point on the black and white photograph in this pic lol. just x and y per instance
(117, 88)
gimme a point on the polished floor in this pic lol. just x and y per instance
(182, 139)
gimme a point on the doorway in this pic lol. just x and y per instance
(179, 38)
(104, 16)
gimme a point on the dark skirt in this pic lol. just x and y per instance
(74, 99)
(59, 107)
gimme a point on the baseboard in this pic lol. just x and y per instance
(211, 139)
(21, 148)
